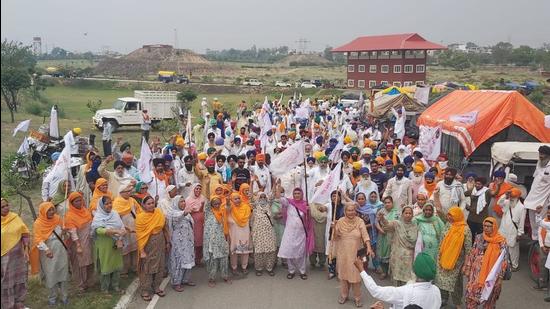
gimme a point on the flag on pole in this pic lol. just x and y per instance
(144, 162)
(281, 99)
(322, 193)
(492, 277)
(265, 126)
(24, 148)
(265, 106)
(54, 127)
(188, 128)
(22, 126)
(335, 154)
(288, 159)
(61, 169)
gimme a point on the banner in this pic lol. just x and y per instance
(430, 142)
(322, 193)
(422, 94)
(144, 162)
(288, 159)
(22, 126)
(265, 126)
(61, 168)
(54, 127)
(467, 118)
(492, 277)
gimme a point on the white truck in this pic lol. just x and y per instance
(127, 111)
(252, 82)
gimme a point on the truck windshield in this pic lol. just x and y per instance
(119, 105)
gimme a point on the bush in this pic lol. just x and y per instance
(94, 106)
(34, 109)
(536, 97)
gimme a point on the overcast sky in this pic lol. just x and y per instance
(124, 25)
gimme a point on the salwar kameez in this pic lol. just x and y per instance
(55, 271)
(14, 276)
(293, 244)
(278, 224)
(402, 250)
(182, 253)
(82, 267)
(239, 243)
(129, 251)
(151, 269)
(108, 261)
(263, 236)
(215, 247)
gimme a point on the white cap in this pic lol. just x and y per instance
(512, 178)
(204, 99)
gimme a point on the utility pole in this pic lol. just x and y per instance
(175, 38)
(302, 45)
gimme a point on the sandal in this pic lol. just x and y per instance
(211, 283)
(227, 280)
(290, 276)
(259, 273)
(146, 297)
(358, 303)
(178, 288)
(331, 276)
(342, 300)
(303, 276)
(160, 293)
(271, 273)
(190, 283)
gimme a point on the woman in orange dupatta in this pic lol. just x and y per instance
(153, 241)
(128, 208)
(239, 231)
(482, 258)
(15, 245)
(101, 190)
(78, 221)
(48, 253)
(456, 243)
(498, 188)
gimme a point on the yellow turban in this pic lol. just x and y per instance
(318, 154)
(347, 139)
(180, 142)
(202, 156)
(418, 168)
(77, 131)
(357, 165)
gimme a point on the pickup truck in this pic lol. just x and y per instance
(127, 111)
(308, 85)
(252, 82)
(282, 84)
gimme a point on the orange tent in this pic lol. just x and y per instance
(480, 114)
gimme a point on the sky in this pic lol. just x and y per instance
(125, 25)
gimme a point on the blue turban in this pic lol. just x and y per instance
(319, 140)
(408, 160)
(364, 171)
(55, 155)
(500, 174)
(168, 157)
(429, 175)
(470, 174)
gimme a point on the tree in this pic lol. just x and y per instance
(187, 96)
(523, 55)
(502, 52)
(327, 53)
(13, 183)
(18, 64)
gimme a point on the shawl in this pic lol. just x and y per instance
(370, 209)
(103, 219)
(345, 225)
(492, 252)
(42, 229)
(13, 229)
(193, 202)
(97, 195)
(75, 218)
(138, 196)
(124, 206)
(406, 233)
(220, 213)
(423, 222)
(456, 189)
(505, 187)
(61, 193)
(147, 224)
(302, 206)
(240, 213)
(430, 187)
(481, 200)
(318, 216)
(175, 211)
(244, 197)
(452, 243)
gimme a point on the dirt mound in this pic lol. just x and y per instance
(303, 60)
(150, 59)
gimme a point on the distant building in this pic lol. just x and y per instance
(37, 46)
(385, 60)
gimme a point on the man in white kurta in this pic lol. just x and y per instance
(540, 189)
(399, 188)
(512, 223)
(450, 191)
(399, 127)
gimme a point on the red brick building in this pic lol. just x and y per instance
(386, 60)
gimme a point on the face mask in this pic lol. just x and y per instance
(443, 164)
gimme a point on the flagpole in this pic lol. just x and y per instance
(305, 180)
(333, 220)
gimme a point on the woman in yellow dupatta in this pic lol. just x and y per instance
(15, 245)
(153, 241)
(239, 232)
(455, 245)
(128, 209)
(101, 190)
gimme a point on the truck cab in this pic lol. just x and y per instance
(125, 111)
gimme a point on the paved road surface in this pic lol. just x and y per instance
(316, 292)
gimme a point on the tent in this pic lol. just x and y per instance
(475, 117)
(384, 103)
(391, 90)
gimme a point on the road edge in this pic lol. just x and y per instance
(125, 299)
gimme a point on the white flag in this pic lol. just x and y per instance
(22, 126)
(492, 277)
(144, 162)
(430, 142)
(322, 193)
(306, 103)
(467, 118)
(189, 128)
(288, 159)
(24, 148)
(265, 106)
(61, 168)
(265, 126)
(335, 154)
(54, 128)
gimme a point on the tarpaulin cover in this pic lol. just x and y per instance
(495, 110)
(383, 104)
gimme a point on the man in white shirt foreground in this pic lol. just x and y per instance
(421, 293)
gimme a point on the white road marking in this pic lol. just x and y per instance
(156, 298)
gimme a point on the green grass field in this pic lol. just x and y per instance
(76, 63)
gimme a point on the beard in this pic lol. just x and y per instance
(189, 167)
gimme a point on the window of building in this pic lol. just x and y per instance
(373, 55)
(372, 68)
(385, 54)
(372, 84)
(420, 83)
(420, 68)
(397, 68)
(361, 83)
(409, 68)
(364, 55)
(351, 83)
(397, 84)
(384, 83)
(395, 54)
(351, 68)
(361, 68)
(385, 68)
(407, 84)
(353, 55)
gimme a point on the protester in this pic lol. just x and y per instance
(215, 245)
(196, 202)
(263, 234)
(512, 223)
(449, 192)
(544, 242)
(480, 198)
(540, 188)
(383, 247)
(15, 245)
(182, 251)
(240, 212)
(128, 209)
(430, 227)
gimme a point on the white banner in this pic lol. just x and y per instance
(467, 118)
(144, 162)
(422, 94)
(335, 154)
(54, 128)
(288, 159)
(61, 168)
(322, 193)
(24, 148)
(189, 128)
(430, 142)
(492, 277)
(265, 126)
(22, 126)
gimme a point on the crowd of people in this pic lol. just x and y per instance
(211, 197)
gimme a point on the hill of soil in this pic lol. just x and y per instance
(303, 60)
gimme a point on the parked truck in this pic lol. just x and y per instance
(127, 111)
(171, 76)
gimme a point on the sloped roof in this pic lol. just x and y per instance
(491, 111)
(383, 104)
(409, 41)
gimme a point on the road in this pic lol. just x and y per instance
(316, 292)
